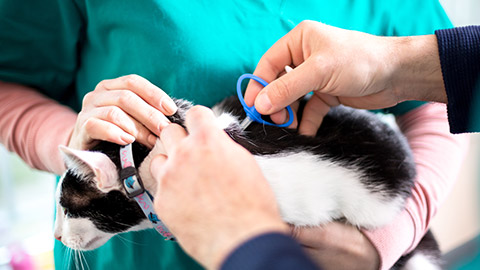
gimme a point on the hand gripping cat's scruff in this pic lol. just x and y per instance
(356, 169)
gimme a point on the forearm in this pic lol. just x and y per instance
(444, 67)
(438, 157)
(33, 126)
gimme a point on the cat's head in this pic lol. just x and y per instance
(91, 203)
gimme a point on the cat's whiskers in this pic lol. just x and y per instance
(84, 260)
(264, 130)
(78, 262)
(122, 224)
(67, 255)
(282, 137)
(79, 258)
(249, 141)
(74, 258)
(128, 241)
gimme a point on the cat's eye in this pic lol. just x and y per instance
(65, 212)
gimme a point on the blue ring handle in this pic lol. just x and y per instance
(251, 111)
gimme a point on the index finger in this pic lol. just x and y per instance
(149, 92)
(285, 52)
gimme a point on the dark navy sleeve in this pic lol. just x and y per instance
(459, 50)
(269, 251)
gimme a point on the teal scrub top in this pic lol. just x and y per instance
(191, 49)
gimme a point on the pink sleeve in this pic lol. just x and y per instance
(33, 126)
(438, 156)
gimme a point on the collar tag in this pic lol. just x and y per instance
(134, 187)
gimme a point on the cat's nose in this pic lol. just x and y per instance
(58, 237)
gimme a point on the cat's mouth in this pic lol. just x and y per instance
(92, 241)
(95, 242)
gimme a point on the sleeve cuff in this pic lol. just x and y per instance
(268, 251)
(390, 240)
(459, 51)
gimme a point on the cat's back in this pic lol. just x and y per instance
(356, 167)
(352, 138)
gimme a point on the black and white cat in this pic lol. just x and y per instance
(356, 169)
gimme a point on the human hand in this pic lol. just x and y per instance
(337, 246)
(344, 67)
(211, 193)
(121, 111)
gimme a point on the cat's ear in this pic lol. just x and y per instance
(89, 163)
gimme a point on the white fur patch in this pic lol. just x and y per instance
(225, 120)
(217, 111)
(311, 191)
(420, 262)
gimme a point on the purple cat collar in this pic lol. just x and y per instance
(251, 111)
(134, 187)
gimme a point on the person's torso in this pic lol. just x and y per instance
(197, 49)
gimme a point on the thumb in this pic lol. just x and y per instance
(288, 88)
(200, 119)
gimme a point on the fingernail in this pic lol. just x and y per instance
(162, 125)
(127, 138)
(152, 139)
(263, 102)
(168, 105)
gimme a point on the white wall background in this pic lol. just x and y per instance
(463, 12)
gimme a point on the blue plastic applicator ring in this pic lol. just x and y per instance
(251, 111)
